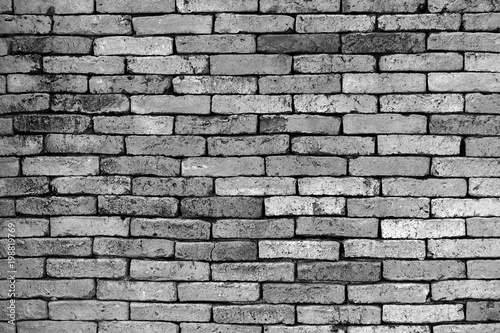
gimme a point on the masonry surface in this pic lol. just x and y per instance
(250, 166)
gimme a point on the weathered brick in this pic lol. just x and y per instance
(308, 250)
(465, 207)
(56, 205)
(6, 126)
(218, 292)
(24, 227)
(90, 103)
(87, 143)
(305, 165)
(485, 328)
(92, 268)
(39, 247)
(51, 45)
(351, 186)
(255, 186)
(20, 64)
(25, 310)
(7, 207)
(210, 251)
(298, 43)
(333, 63)
(383, 83)
(384, 124)
(462, 6)
(338, 314)
(216, 44)
(134, 7)
(237, 23)
(170, 312)
(133, 248)
(134, 326)
(84, 64)
(481, 22)
(303, 293)
(254, 314)
(481, 62)
(173, 24)
(27, 268)
(251, 104)
(483, 311)
(24, 24)
(484, 187)
(434, 313)
(169, 270)
(382, 42)
(424, 187)
(428, 62)
(380, 6)
(23, 103)
(422, 228)
(422, 103)
(418, 145)
(483, 269)
(462, 248)
(388, 293)
(140, 165)
(430, 22)
(389, 166)
(360, 248)
(337, 227)
(190, 6)
(299, 124)
(9, 166)
(88, 310)
(423, 270)
(46, 326)
(215, 85)
(172, 186)
(20, 145)
(172, 65)
(300, 84)
(482, 103)
(334, 23)
(53, 7)
(158, 125)
(165, 104)
(223, 166)
(89, 226)
(22, 83)
(174, 145)
(237, 228)
(133, 46)
(51, 123)
(25, 186)
(389, 207)
(463, 41)
(218, 328)
(240, 124)
(92, 25)
(260, 271)
(248, 145)
(136, 291)
(250, 64)
(299, 6)
(476, 289)
(296, 205)
(244, 207)
(483, 227)
(60, 165)
(170, 228)
(390, 329)
(465, 167)
(136, 205)
(132, 84)
(333, 145)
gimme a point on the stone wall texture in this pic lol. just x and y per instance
(250, 166)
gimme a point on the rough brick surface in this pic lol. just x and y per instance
(250, 166)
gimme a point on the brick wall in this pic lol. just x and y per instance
(250, 166)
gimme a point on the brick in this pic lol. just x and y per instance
(25, 227)
(23, 83)
(136, 291)
(7, 207)
(424, 187)
(134, 326)
(218, 292)
(170, 312)
(39, 247)
(84, 65)
(379, 6)
(136, 205)
(170, 228)
(173, 24)
(463, 41)
(259, 271)
(423, 313)
(483, 269)
(333, 145)
(481, 22)
(223, 166)
(165, 104)
(248, 145)
(172, 65)
(334, 23)
(430, 22)
(53, 7)
(423, 270)
(465, 207)
(298, 43)
(174, 145)
(422, 103)
(338, 314)
(26, 186)
(333, 63)
(51, 123)
(51, 45)
(462, 6)
(5, 6)
(134, 125)
(384, 124)
(254, 314)
(134, 7)
(89, 226)
(92, 25)
(486, 328)
(335, 103)
(299, 124)
(20, 145)
(191, 6)
(6, 126)
(482, 103)
(92, 268)
(46, 326)
(172, 186)
(25, 24)
(216, 44)
(27, 268)
(383, 83)
(300, 84)
(428, 62)
(465, 167)
(481, 62)
(389, 166)
(483, 227)
(251, 104)
(215, 85)
(237, 228)
(26, 310)
(132, 84)
(390, 329)
(218, 328)
(418, 145)
(89, 144)
(56, 205)
(132, 248)
(140, 165)
(337, 227)
(240, 124)
(308, 250)
(295, 205)
(244, 207)
(359, 248)
(169, 270)
(250, 64)
(88, 310)
(484, 187)
(303, 293)
(389, 207)
(421, 229)
(476, 289)
(351, 186)
(20, 64)
(483, 311)
(93, 104)
(255, 186)
(133, 46)
(209, 251)
(23, 103)
(388, 293)
(60, 165)
(462, 248)
(380, 42)
(305, 165)
(299, 6)
(247, 23)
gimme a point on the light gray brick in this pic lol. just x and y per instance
(89, 226)
(169, 270)
(190, 6)
(260, 64)
(166, 104)
(380, 6)
(91, 268)
(255, 186)
(296, 205)
(84, 143)
(466, 207)
(61, 165)
(251, 104)
(338, 314)
(170, 312)
(333, 145)
(237, 228)
(465, 167)
(463, 6)
(481, 22)
(216, 44)
(388, 293)
(389, 166)
(299, 6)
(431, 22)
(421, 229)
(384, 124)
(434, 313)
(337, 227)
(248, 145)
(25, 227)
(170, 228)
(423, 62)
(300, 84)
(218, 292)
(463, 41)
(136, 291)
(462, 248)
(260, 271)
(132, 84)
(413, 187)
(418, 145)
(302, 123)
(333, 63)
(305, 165)
(254, 314)
(247, 23)
(482, 103)
(483, 269)
(483, 227)
(92, 25)
(400, 249)
(53, 6)
(223, 166)
(172, 24)
(172, 65)
(173, 145)
(215, 85)
(487, 147)
(350, 186)
(424, 270)
(134, 7)
(316, 293)
(383, 83)
(148, 46)
(304, 249)
(422, 103)
(334, 23)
